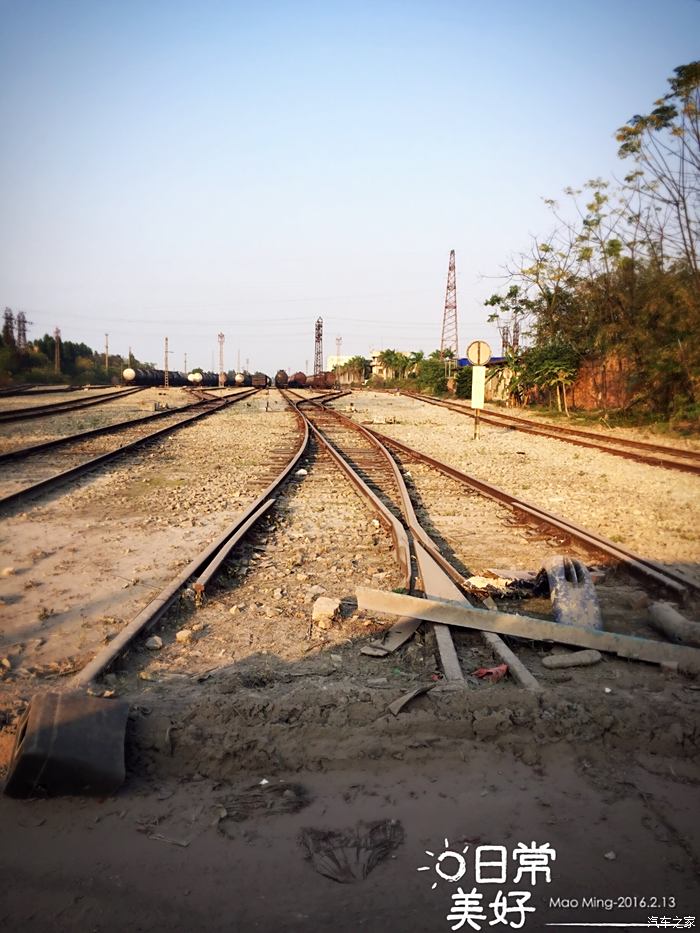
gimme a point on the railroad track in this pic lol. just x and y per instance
(54, 408)
(350, 440)
(425, 568)
(372, 469)
(673, 581)
(642, 451)
(80, 453)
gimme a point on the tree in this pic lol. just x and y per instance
(665, 145)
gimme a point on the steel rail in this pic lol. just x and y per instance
(158, 606)
(438, 575)
(641, 566)
(55, 408)
(105, 429)
(64, 476)
(640, 451)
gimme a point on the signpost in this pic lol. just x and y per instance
(478, 354)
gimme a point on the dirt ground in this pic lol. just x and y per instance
(243, 739)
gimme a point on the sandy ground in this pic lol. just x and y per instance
(603, 766)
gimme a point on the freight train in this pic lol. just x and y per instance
(156, 377)
(301, 380)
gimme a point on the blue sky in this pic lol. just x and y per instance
(180, 168)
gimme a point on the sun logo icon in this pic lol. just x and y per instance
(450, 865)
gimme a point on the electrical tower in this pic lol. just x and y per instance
(22, 330)
(222, 374)
(8, 328)
(57, 351)
(318, 352)
(449, 339)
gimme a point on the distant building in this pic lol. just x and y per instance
(333, 361)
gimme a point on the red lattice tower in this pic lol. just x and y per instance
(318, 353)
(449, 340)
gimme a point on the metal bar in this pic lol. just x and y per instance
(625, 646)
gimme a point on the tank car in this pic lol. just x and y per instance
(298, 381)
(281, 379)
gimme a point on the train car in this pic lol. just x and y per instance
(281, 379)
(323, 380)
(154, 378)
(260, 381)
(298, 381)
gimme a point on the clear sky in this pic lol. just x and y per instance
(172, 168)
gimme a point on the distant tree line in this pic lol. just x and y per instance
(619, 273)
(35, 361)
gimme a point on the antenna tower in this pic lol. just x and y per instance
(222, 374)
(318, 352)
(57, 350)
(338, 344)
(449, 339)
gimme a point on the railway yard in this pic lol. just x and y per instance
(226, 563)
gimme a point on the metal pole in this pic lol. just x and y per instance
(107, 356)
(57, 351)
(166, 380)
(222, 375)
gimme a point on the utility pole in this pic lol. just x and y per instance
(166, 378)
(57, 351)
(222, 374)
(185, 364)
(247, 364)
(449, 340)
(338, 344)
(129, 357)
(238, 365)
(107, 356)
(306, 367)
(318, 347)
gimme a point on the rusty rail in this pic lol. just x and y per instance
(56, 408)
(210, 557)
(64, 476)
(671, 458)
(438, 576)
(641, 566)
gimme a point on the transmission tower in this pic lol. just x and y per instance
(57, 351)
(222, 374)
(318, 352)
(8, 328)
(22, 330)
(449, 339)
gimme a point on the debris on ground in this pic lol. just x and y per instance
(350, 855)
